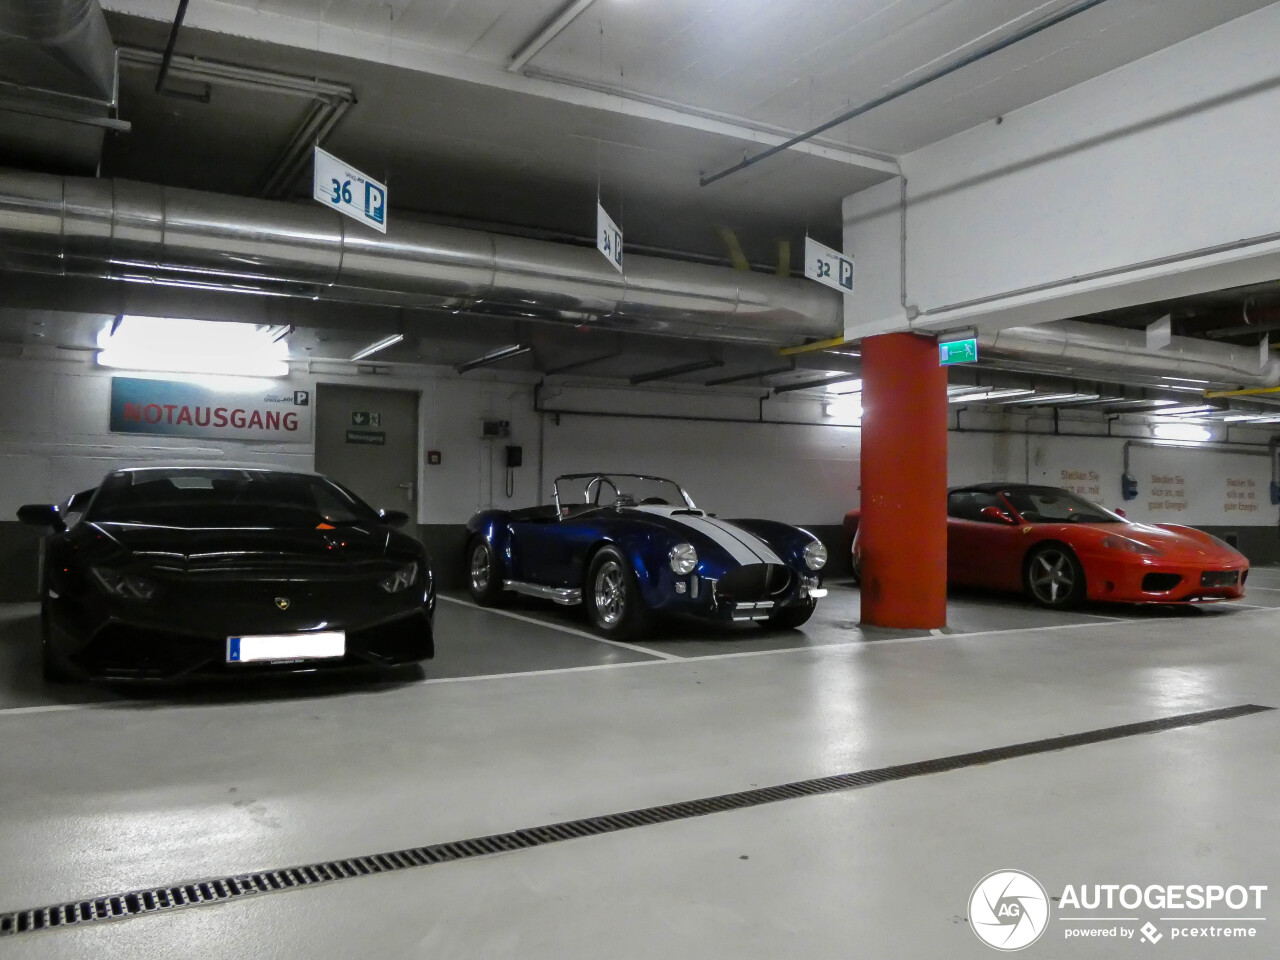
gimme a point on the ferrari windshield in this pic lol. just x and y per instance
(619, 489)
(1051, 505)
(224, 497)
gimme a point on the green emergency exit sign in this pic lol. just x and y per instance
(958, 351)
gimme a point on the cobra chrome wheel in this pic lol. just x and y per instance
(610, 593)
(484, 581)
(612, 598)
(1054, 577)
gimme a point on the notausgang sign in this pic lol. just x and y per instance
(176, 409)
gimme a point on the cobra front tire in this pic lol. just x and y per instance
(788, 618)
(484, 579)
(612, 598)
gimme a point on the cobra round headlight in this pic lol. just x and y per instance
(815, 555)
(683, 558)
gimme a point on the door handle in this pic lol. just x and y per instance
(408, 490)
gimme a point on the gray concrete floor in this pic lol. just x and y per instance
(525, 719)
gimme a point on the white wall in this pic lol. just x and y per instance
(1108, 193)
(55, 441)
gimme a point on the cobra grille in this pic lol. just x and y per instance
(757, 581)
(134, 903)
(1219, 578)
(1160, 582)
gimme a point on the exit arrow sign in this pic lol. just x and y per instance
(958, 351)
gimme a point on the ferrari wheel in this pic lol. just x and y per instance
(612, 598)
(788, 618)
(484, 580)
(50, 666)
(1054, 577)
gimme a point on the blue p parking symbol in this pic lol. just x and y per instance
(375, 203)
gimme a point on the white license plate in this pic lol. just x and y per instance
(287, 646)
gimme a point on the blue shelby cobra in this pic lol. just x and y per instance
(627, 546)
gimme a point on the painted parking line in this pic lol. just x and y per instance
(562, 628)
(661, 659)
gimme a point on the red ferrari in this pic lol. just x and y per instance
(1061, 549)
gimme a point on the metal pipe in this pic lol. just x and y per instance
(1094, 346)
(173, 40)
(568, 13)
(123, 230)
(857, 111)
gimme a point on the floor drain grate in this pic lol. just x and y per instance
(139, 902)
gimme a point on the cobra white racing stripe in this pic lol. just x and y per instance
(744, 547)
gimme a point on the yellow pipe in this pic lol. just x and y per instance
(1252, 391)
(736, 257)
(813, 347)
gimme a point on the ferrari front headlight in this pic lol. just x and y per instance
(683, 558)
(402, 579)
(815, 555)
(1131, 546)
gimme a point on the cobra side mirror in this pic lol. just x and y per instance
(42, 515)
(394, 518)
(996, 515)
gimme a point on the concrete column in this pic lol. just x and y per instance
(903, 531)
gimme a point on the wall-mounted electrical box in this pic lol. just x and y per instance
(494, 429)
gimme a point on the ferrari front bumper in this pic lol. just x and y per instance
(1162, 582)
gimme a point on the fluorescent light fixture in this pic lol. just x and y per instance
(1051, 398)
(1187, 432)
(846, 387)
(986, 395)
(377, 345)
(666, 373)
(181, 345)
(1187, 410)
(502, 353)
(846, 407)
(822, 382)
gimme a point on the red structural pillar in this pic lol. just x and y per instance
(903, 530)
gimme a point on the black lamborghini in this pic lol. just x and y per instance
(162, 573)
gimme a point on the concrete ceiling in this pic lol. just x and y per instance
(640, 98)
(475, 113)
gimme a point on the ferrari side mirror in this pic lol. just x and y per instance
(42, 515)
(996, 515)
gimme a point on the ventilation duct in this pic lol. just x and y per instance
(142, 232)
(57, 45)
(57, 83)
(1091, 349)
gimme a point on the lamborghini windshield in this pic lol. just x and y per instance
(619, 489)
(223, 497)
(1051, 505)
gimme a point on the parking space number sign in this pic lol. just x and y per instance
(608, 238)
(344, 188)
(829, 267)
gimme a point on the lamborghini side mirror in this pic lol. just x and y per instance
(42, 515)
